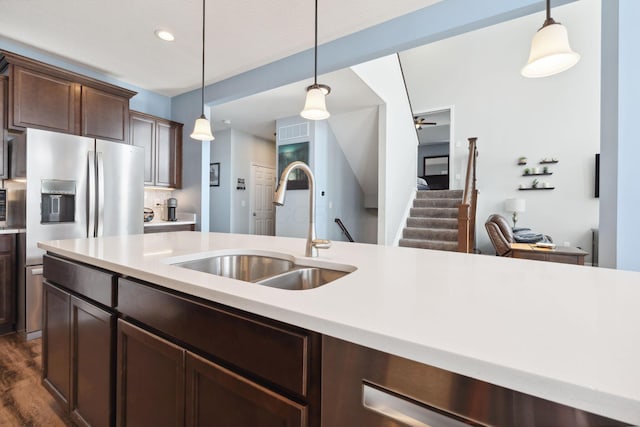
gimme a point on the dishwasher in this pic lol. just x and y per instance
(33, 301)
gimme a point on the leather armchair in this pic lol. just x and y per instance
(500, 234)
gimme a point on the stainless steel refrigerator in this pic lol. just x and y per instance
(75, 187)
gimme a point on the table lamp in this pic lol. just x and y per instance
(515, 206)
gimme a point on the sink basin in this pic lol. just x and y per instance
(249, 268)
(268, 269)
(303, 278)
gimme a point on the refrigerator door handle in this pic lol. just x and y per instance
(100, 166)
(91, 211)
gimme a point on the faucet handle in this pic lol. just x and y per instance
(321, 243)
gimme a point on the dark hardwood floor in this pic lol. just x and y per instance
(23, 399)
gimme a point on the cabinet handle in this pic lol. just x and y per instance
(405, 411)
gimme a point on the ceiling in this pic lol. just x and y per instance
(438, 133)
(116, 37)
(256, 114)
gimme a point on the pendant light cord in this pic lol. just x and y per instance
(548, 9)
(203, 26)
(315, 49)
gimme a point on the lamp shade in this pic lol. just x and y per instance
(202, 130)
(315, 107)
(550, 52)
(515, 205)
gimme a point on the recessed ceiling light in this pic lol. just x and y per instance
(165, 35)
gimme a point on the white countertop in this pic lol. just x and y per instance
(4, 230)
(570, 334)
(182, 219)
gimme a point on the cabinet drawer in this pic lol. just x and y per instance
(92, 283)
(271, 351)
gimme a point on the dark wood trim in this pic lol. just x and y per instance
(7, 58)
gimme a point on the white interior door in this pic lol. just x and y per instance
(262, 209)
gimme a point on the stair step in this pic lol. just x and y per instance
(424, 244)
(449, 223)
(440, 234)
(434, 213)
(436, 203)
(439, 194)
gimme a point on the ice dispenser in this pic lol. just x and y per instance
(58, 201)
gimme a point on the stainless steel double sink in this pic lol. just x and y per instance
(266, 270)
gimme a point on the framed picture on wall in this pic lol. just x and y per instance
(214, 174)
(290, 153)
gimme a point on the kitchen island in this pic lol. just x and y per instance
(563, 333)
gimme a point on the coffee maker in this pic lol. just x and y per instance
(169, 211)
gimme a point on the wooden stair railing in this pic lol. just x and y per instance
(467, 209)
(344, 229)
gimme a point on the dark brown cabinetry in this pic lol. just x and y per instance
(78, 342)
(216, 393)
(7, 283)
(4, 155)
(150, 379)
(46, 97)
(249, 371)
(162, 142)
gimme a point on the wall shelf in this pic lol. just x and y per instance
(538, 188)
(548, 162)
(537, 174)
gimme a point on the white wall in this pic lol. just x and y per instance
(245, 150)
(220, 197)
(398, 145)
(619, 189)
(236, 151)
(479, 74)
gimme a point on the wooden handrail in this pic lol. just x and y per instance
(467, 209)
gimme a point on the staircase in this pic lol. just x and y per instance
(433, 221)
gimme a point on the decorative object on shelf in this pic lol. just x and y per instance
(515, 206)
(522, 161)
(545, 169)
(214, 174)
(315, 107)
(527, 171)
(550, 51)
(547, 161)
(202, 127)
(535, 183)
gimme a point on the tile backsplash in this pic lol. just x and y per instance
(153, 198)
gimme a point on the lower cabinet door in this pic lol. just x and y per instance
(219, 397)
(92, 364)
(150, 379)
(56, 339)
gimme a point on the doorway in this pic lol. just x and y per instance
(262, 221)
(434, 139)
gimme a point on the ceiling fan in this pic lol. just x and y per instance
(419, 122)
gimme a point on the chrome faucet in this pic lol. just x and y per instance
(313, 243)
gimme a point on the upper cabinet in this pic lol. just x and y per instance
(162, 143)
(46, 97)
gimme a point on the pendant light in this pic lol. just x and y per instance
(550, 51)
(202, 128)
(315, 107)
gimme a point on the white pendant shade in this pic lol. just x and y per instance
(202, 130)
(315, 107)
(550, 52)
